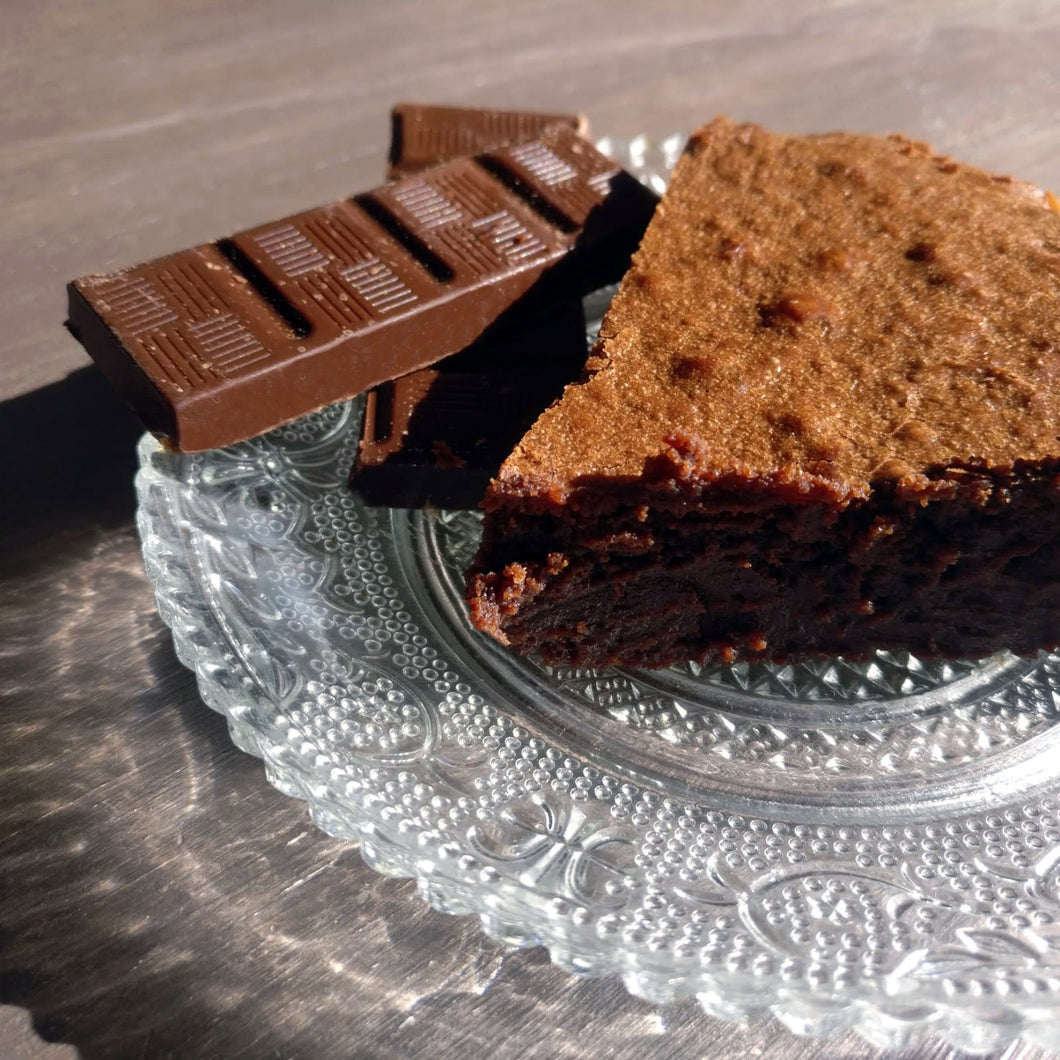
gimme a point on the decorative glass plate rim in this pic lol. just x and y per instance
(979, 997)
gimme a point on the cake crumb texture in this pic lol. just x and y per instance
(855, 306)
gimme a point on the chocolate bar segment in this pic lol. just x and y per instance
(437, 436)
(423, 135)
(221, 342)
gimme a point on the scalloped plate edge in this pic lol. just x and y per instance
(885, 1024)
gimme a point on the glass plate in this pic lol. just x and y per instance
(874, 846)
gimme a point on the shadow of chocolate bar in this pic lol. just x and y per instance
(224, 341)
(437, 436)
(423, 135)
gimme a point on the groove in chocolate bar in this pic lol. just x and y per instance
(514, 183)
(386, 220)
(270, 293)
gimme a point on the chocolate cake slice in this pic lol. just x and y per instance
(821, 418)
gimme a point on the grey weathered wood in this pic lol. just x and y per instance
(156, 897)
(131, 129)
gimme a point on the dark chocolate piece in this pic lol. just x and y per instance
(221, 342)
(424, 135)
(437, 436)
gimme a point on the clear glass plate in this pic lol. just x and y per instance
(874, 846)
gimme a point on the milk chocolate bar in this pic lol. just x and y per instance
(423, 135)
(438, 435)
(221, 342)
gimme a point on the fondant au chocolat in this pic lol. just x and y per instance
(822, 418)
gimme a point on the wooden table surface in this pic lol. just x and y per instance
(157, 898)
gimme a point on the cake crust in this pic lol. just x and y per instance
(821, 418)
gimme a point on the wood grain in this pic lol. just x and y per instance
(132, 129)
